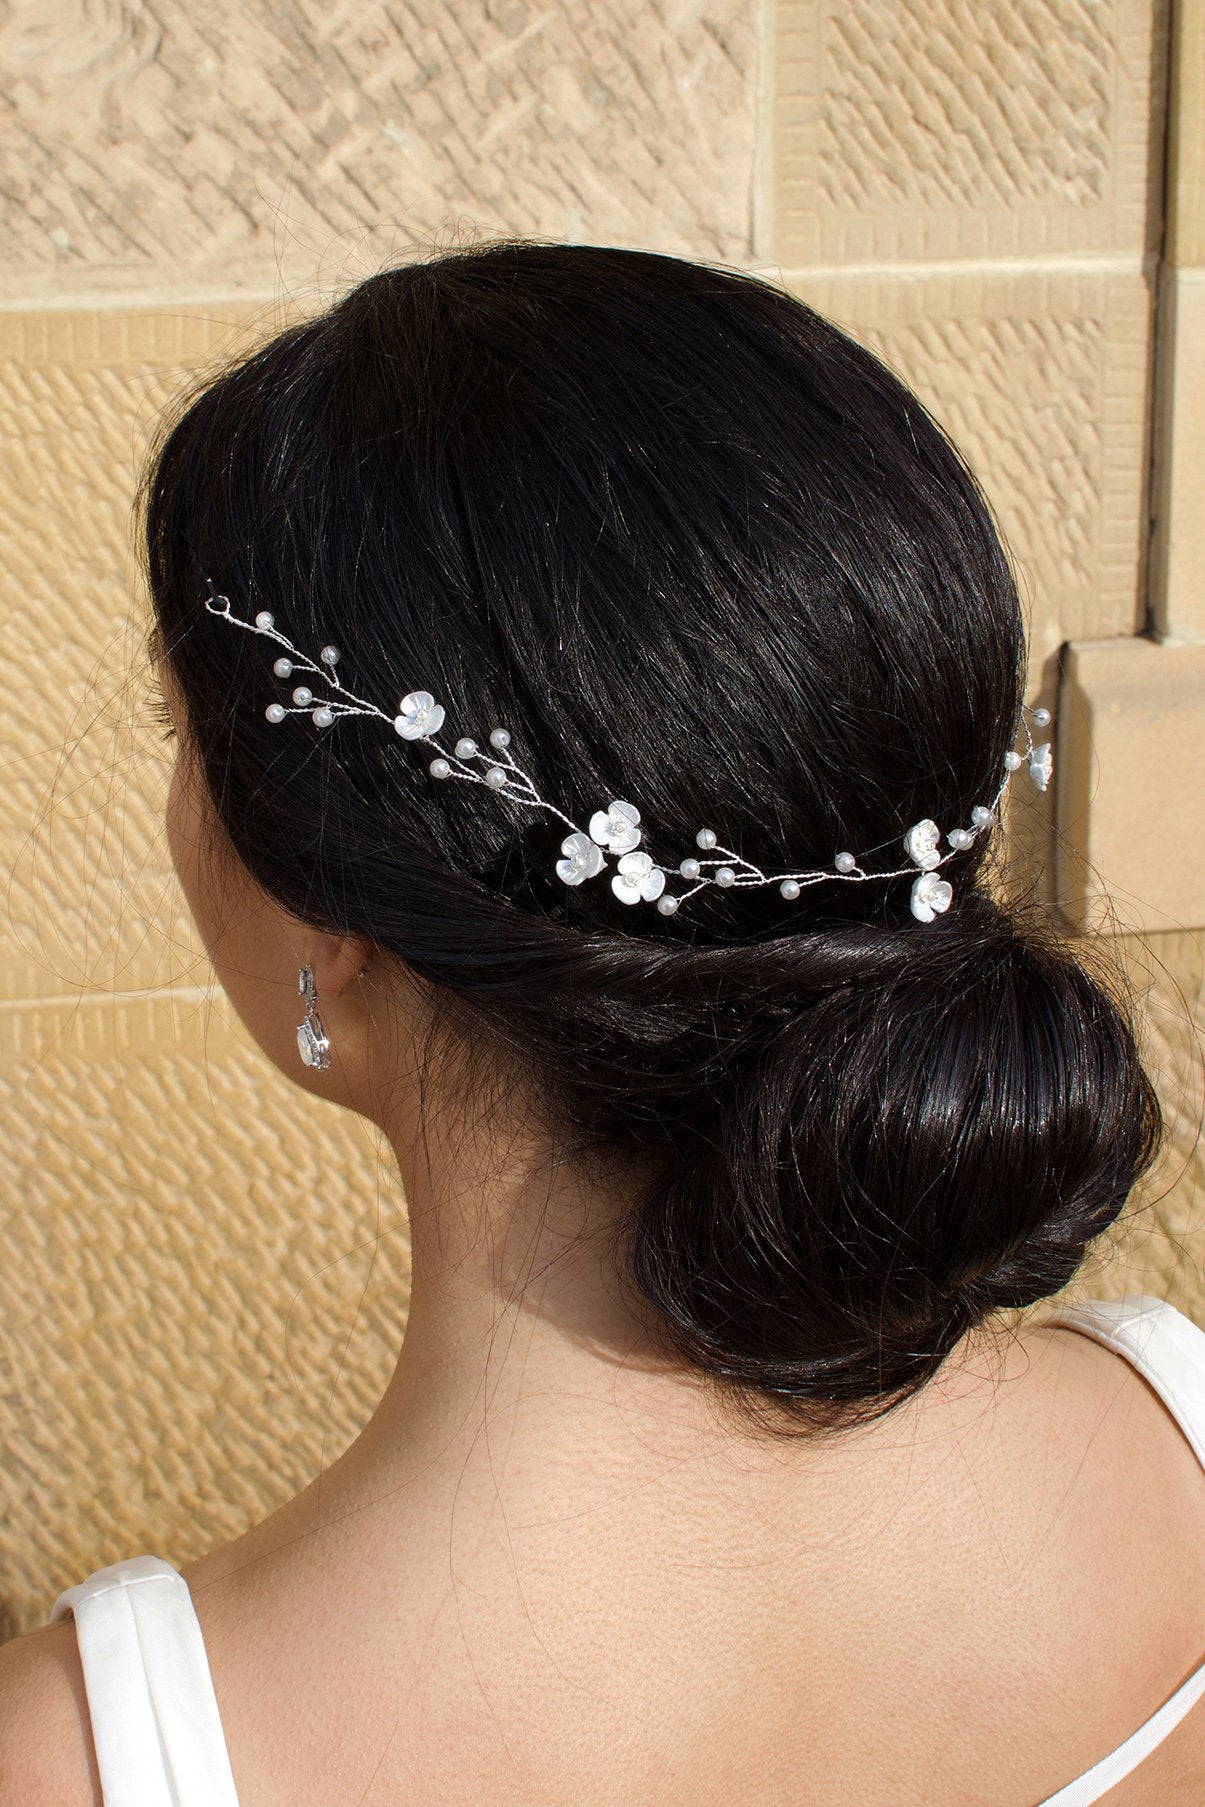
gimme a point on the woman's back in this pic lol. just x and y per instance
(974, 1601)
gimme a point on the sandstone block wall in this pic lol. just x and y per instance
(205, 1274)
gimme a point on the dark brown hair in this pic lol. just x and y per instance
(699, 549)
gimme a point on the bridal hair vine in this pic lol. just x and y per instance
(617, 829)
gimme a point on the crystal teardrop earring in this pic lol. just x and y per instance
(313, 1043)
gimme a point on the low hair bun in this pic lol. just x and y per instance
(891, 1162)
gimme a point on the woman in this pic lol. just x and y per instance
(597, 683)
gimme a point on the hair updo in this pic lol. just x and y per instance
(698, 548)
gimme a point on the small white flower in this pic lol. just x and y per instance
(930, 896)
(420, 715)
(616, 827)
(637, 877)
(582, 859)
(1041, 764)
(920, 844)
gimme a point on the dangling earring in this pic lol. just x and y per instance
(313, 1044)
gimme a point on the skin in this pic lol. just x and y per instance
(509, 1241)
(552, 1569)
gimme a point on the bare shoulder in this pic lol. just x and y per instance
(1138, 1475)
(46, 1751)
(1173, 1775)
(1129, 1425)
(1139, 1502)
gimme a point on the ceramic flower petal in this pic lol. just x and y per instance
(420, 715)
(637, 878)
(582, 859)
(616, 827)
(931, 896)
(1041, 765)
(920, 844)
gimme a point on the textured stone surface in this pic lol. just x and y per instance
(80, 397)
(946, 129)
(1185, 241)
(1157, 1246)
(1131, 811)
(187, 150)
(1042, 381)
(1178, 567)
(202, 1293)
(1178, 564)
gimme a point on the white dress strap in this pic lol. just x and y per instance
(155, 1721)
(1168, 1350)
(1097, 1781)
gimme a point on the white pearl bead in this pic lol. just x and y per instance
(264, 619)
(303, 696)
(439, 768)
(690, 868)
(283, 668)
(275, 712)
(725, 876)
(1013, 762)
(1041, 718)
(705, 838)
(845, 862)
(495, 777)
(667, 904)
(981, 816)
(329, 655)
(790, 888)
(465, 748)
(323, 717)
(500, 738)
(960, 839)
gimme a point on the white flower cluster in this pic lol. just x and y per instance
(616, 830)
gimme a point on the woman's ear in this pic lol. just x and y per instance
(344, 1011)
(337, 960)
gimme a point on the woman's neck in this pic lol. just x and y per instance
(523, 1337)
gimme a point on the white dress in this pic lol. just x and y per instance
(155, 1721)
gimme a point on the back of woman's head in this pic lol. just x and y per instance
(697, 549)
